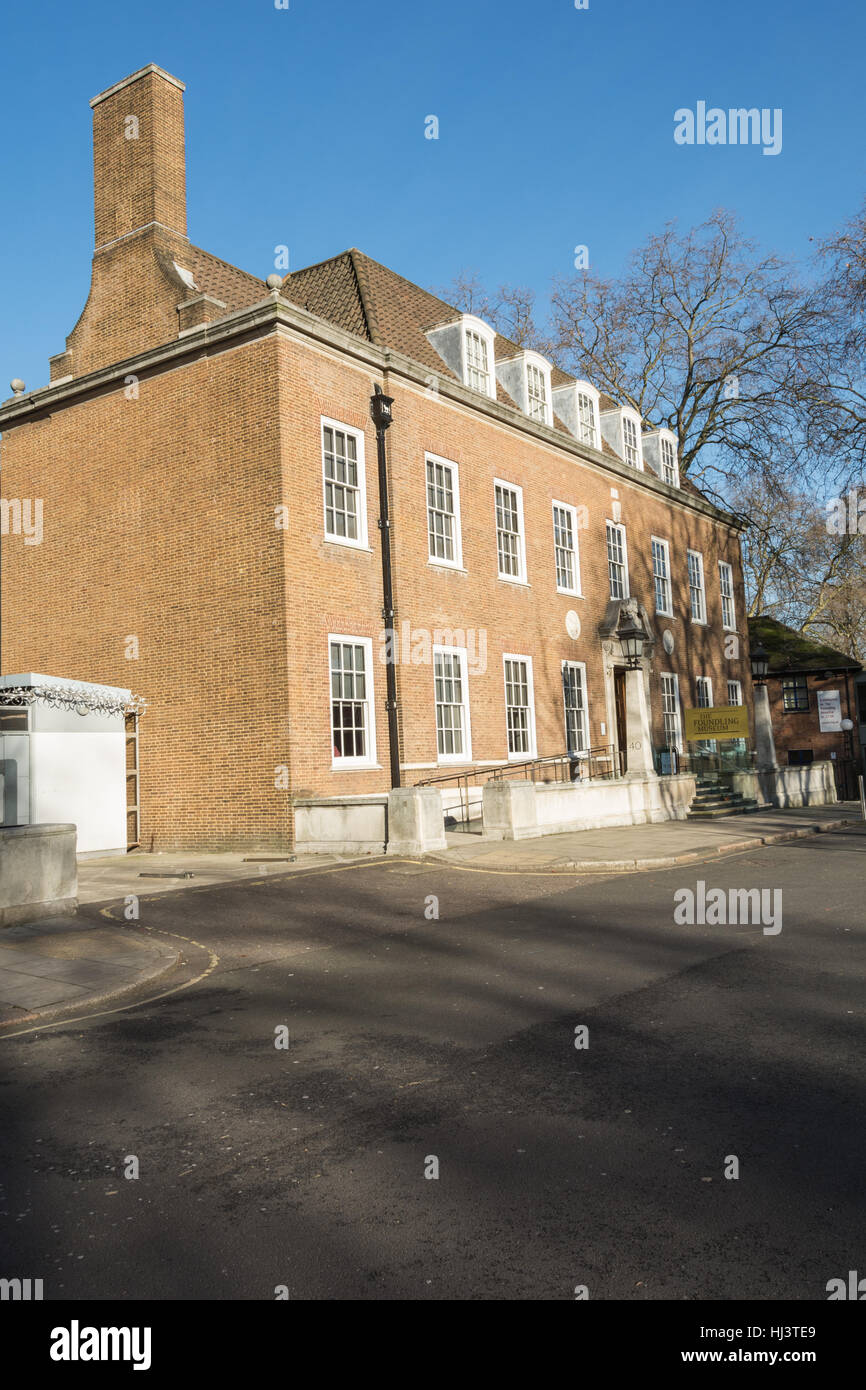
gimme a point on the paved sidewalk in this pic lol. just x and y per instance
(100, 880)
(46, 967)
(626, 848)
(50, 967)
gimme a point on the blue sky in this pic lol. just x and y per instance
(305, 127)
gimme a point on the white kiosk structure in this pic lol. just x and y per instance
(63, 758)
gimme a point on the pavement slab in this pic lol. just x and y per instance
(626, 848)
(115, 876)
(69, 961)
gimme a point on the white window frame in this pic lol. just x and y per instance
(635, 421)
(532, 752)
(369, 759)
(696, 555)
(739, 742)
(667, 612)
(571, 512)
(709, 744)
(536, 361)
(581, 667)
(457, 562)
(462, 654)
(727, 599)
(472, 324)
(519, 578)
(664, 464)
(676, 711)
(618, 526)
(708, 682)
(360, 542)
(585, 392)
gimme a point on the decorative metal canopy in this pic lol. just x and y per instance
(67, 697)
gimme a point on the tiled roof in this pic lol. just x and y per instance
(687, 485)
(365, 298)
(331, 291)
(236, 288)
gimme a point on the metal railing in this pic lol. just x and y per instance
(593, 764)
(705, 762)
(710, 762)
(602, 763)
(464, 784)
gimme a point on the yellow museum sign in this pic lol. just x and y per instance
(717, 721)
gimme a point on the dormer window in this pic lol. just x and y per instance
(621, 427)
(660, 455)
(576, 405)
(466, 347)
(477, 362)
(526, 378)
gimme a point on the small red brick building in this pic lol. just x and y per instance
(811, 690)
(207, 467)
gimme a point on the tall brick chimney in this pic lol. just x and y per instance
(139, 194)
(139, 164)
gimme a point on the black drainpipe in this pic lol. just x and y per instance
(380, 412)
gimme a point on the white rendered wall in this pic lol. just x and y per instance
(81, 778)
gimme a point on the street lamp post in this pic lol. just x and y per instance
(765, 744)
(636, 748)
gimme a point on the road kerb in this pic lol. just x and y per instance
(670, 861)
(164, 966)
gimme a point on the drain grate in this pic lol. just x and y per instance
(183, 874)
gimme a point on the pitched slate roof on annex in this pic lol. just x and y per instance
(790, 650)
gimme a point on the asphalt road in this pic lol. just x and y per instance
(411, 1038)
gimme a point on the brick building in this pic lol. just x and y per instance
(207, 466)
(811, 689)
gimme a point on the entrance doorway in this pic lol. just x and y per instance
(619, 675)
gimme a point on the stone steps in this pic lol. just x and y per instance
(712, 800)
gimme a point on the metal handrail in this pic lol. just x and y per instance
(593, 764)
(716, 761)
(458, 778)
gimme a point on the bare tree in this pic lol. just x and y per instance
(698, 335)
(761, 378)
(799, 567)
(831, 364)
(510, 309)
